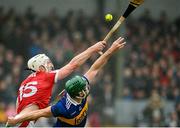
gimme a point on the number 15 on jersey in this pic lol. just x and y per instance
(28, 89)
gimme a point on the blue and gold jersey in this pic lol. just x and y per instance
(69, 113)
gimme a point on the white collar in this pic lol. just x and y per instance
(72, 100)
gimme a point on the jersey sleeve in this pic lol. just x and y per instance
(58, 109)
(52, 76)
(86, 79)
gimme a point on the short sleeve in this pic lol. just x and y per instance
(52, 76)
(58, 109)
(86, 79)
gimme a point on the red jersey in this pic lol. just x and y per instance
(36, 89)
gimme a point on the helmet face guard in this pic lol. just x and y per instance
(48, 65)
(77, 87)
(40, 60)
(84, 93)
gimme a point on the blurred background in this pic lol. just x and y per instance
(140, 84)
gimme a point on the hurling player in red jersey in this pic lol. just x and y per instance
(35, 91)
(72, 108)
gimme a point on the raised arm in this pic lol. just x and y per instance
(34, 115)
(79, 60)
(102, 60)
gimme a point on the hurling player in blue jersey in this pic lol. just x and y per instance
(71, 109)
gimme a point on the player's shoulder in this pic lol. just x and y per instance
(42, 74)
(33, 76)
(65, 102)
(61, 104)
(28, 78)
(62, 98)
(50, 74)
(36, 75)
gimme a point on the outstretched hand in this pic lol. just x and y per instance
(99, 46)
(118, 44)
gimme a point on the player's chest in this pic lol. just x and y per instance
(79, 112)
(76, 114)
(75, 110)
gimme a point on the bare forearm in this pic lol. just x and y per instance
(98, 64)
(76, 62)
(33, 115)
(101, 61)
(81, 58)
(104, 58)
(28, 117)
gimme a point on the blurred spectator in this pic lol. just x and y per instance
(3, 116)
(108, 101)
(172, 121)
(152, 59)
(154, 112)
(177, 110)
(11, 109)
(94, 117)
